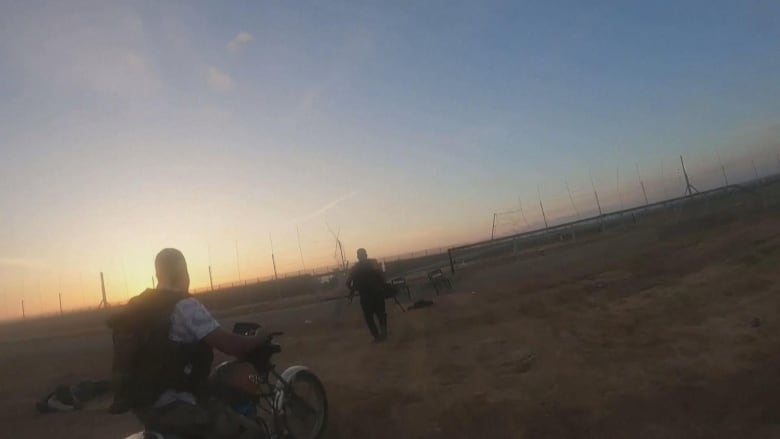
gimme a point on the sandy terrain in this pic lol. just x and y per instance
(652, 333)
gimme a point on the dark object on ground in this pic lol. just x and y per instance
(73, 397)
(422, 303)
(399, 283)
(756, 322)
(437, 279)
(391, 292)
(525, 363)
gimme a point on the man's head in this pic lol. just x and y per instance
(362, 255)
(171, 270)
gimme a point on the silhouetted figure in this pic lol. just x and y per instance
(163, 342)
(367, 278)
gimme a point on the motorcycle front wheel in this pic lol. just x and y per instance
(304, 405)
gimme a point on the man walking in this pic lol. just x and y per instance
(369, 281)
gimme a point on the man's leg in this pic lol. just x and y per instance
(381, 314)
(368, 314)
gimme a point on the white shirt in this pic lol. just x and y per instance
(190, 323)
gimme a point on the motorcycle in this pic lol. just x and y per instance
(252, 387)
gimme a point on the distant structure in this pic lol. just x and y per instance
(642, 184)
(103, 302)
(339, 251)
(544, 215)
(723, 170)
(689, 188)
(273, 258)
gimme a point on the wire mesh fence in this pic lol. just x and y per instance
(755, 195)
(567, 207)
(629, 187)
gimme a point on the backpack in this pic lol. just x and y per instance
(138, 330)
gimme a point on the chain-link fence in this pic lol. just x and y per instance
(628, 187)
(575, 206)
(759, 194)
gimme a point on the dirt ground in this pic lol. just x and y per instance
(663, 332)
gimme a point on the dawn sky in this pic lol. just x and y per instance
(126, 127)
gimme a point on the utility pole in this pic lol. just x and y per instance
(544, 216)
(339, 247)
(238, 265)
(300, 249)
(273, 261)
(211, 277)
(60, 287)
(493, 230)
(343, 259)
(689, 188)
(273, 258)
(617, 185)
(642, 183)
(576, 211)
(103, 302)
(596, 194)
(522, 213)
(24, 315)
(723, 171)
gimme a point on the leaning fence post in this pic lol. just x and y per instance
(452, 263)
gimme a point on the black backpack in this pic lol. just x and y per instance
(140, 337)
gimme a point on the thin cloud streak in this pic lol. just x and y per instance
(323, 209)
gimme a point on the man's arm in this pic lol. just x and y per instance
(192, 321)
(234, 344)
(350, 282)
(350, 277)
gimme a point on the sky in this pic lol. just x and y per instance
(229, 129)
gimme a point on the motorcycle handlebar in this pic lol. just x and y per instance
(247, 328)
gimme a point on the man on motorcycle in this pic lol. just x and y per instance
(165, 380)
(367, 278)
